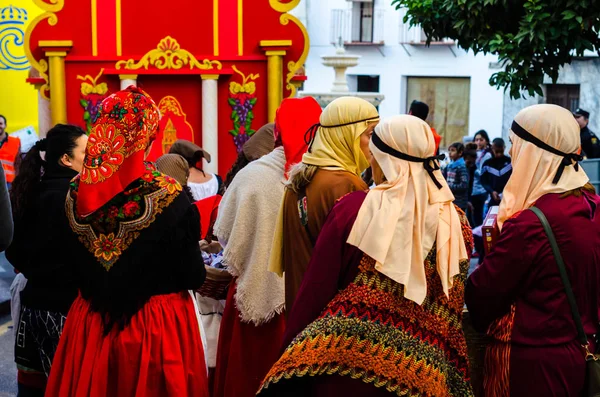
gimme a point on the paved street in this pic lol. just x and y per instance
(8, 371)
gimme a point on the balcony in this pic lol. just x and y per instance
(358, 26)
(416, 36)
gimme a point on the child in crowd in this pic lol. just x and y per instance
(457, 176)
(470, 157)
(496, 172)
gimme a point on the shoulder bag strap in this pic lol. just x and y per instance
(303, 213)
(563, 275)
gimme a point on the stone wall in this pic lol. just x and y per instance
(585, 72)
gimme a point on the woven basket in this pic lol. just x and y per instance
(216, 283)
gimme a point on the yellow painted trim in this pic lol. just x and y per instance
(168, 54)
(95, 27)
(272, 53)
(209, 76)
(118, 23)
(240, 27)
(216, 28)
(294, 66)
(171, 103)
(275, 43)
(128, 76)
(283, 7)
(56, 53)
(55, 43)
(49, 14)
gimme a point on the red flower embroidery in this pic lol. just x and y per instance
(169, 183)
(106, 247)
(104, 155)
(148, 177)
(131, 208)
(113, 212)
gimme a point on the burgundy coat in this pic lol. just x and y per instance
(521, 270)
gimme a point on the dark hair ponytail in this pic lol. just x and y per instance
(60, 140)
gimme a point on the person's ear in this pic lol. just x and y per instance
(65, 161)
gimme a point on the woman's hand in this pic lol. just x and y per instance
(211, 248)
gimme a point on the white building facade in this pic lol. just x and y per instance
(396, 63)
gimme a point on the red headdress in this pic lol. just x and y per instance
(126, 125)
(294, 117)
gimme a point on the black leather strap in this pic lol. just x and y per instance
(563, 275)
(568, 158)
(430, 163)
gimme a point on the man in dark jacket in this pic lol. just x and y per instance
(589, 141)
(496, 172)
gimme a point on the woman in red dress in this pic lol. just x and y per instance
(253, 321)
(133, 330)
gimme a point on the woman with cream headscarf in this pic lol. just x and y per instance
(380, 307)
(338, 154)
(517, 294)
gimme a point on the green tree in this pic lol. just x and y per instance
(532, 38)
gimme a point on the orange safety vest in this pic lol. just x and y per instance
(8, 154)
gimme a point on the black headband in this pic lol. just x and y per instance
(430, 163)
(568, 158)
(311, 133)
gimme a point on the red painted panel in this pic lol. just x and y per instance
(146, 22)
(228, 32)
(107, 27)
(188, 92)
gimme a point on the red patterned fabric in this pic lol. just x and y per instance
(126, 125)
(138, 361)
(294, 117)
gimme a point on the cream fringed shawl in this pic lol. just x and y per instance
(246, 225)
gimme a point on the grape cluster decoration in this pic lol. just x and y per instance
(92, 95)
(242, 98)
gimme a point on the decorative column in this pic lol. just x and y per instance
(127, 80)
(56, 51)
(275, 50)
(210, 121)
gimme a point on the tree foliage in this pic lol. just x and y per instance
(532, 38)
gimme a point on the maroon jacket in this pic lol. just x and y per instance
(521, 269)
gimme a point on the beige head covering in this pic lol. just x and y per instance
(339, 147)
(401, 219)
(261, 143)
(175, 166)
(534, 168)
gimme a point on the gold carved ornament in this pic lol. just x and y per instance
(247, 86)
(285, 19)
(168, 55)
(90, 84)
(50, 9)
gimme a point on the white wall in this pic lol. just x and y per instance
(393, 64)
